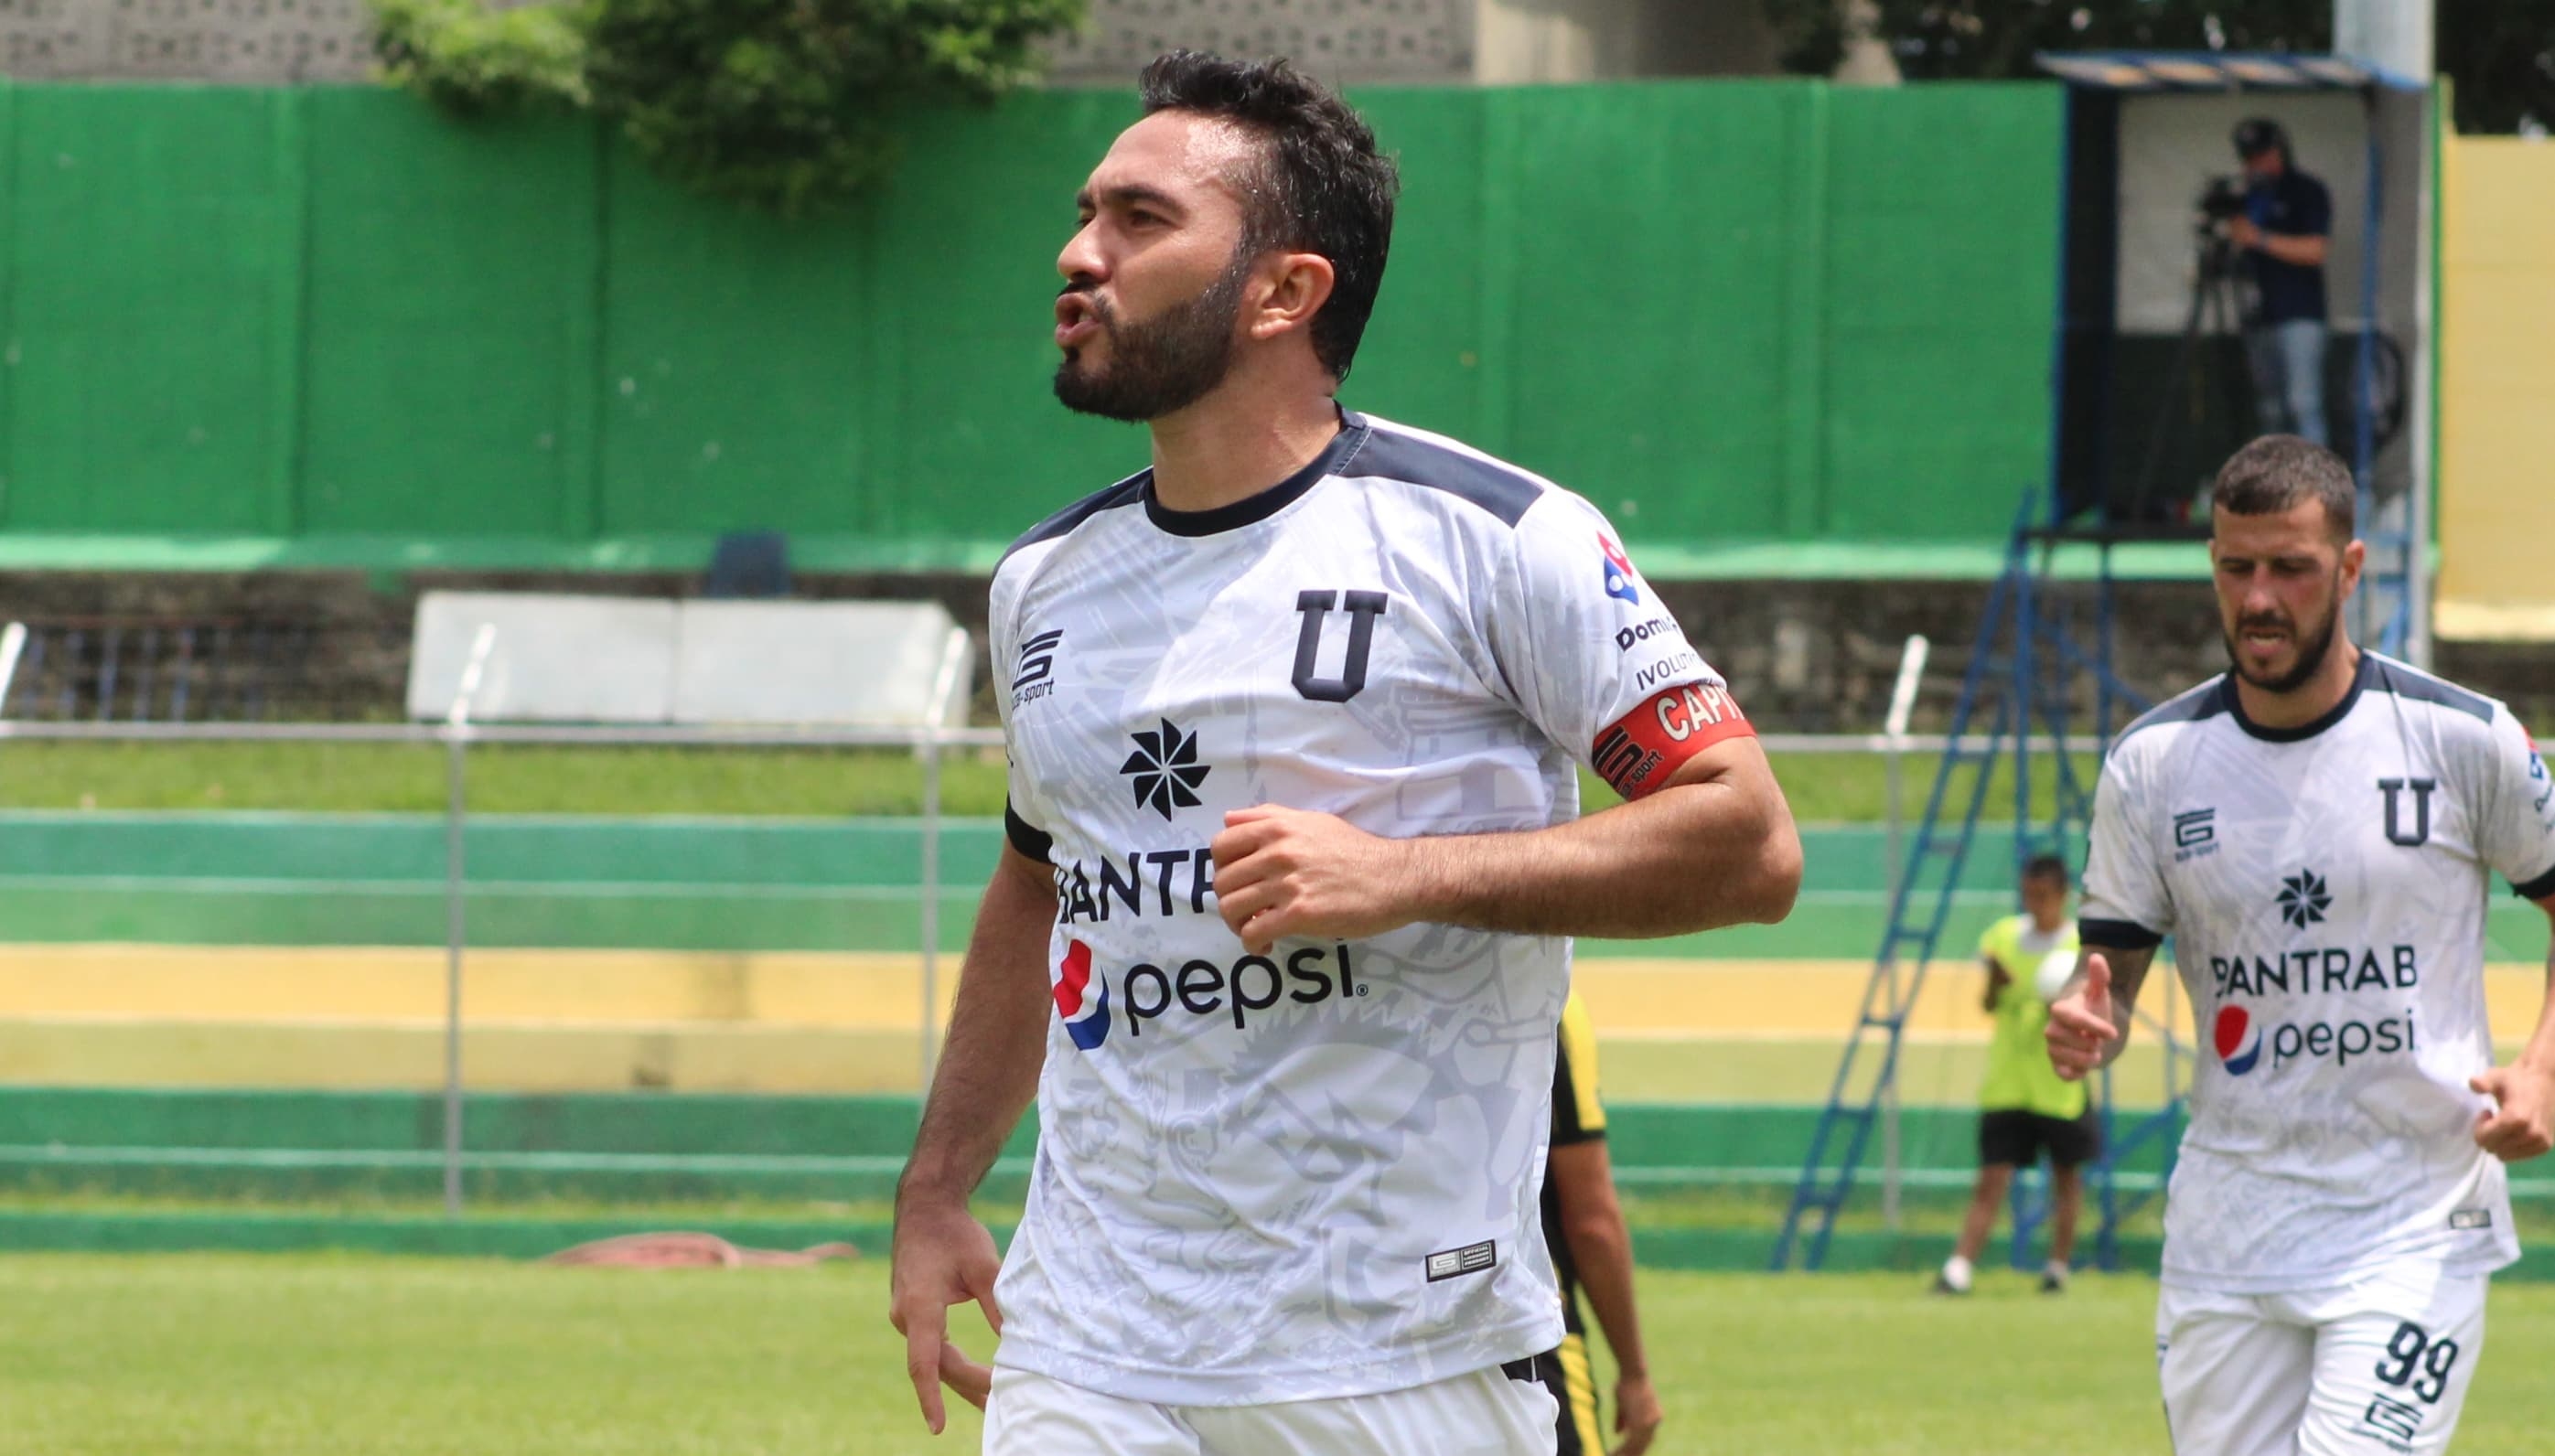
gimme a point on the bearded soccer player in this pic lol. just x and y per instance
(1279, 939)
(2317, 829)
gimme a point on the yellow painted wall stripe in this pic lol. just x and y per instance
(1627, 1000)
(2496, 375)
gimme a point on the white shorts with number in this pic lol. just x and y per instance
(2378, 1365)
(1485, 1414)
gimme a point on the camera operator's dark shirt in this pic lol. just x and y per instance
(2292, 205)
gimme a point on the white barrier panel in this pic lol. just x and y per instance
(779, 663)
(558, 658)
(564, 659)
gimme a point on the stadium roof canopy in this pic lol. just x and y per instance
(2216, 70)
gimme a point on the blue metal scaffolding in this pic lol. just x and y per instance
(2030, 688)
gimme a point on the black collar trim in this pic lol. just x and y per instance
(1253, 508)
(2304, 731)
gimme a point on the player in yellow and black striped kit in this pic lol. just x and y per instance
(1592, 1253)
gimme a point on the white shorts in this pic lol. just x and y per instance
(1485, 1414)
(2378, 1365)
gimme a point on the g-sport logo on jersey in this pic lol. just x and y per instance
(1619, 572)
(1037, 675)
(2195, 833)
(1165, 769)
(1081, 1003)
(1226, 991)
(2303, 898)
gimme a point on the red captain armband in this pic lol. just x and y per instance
(1639, 751)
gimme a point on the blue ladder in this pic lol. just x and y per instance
(1931, 878)
(2017, 688)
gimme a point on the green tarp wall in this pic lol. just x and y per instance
(333, 323)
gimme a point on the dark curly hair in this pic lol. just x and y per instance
(2279, 471)
(1321, 186)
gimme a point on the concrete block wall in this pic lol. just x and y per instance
(1352, 41)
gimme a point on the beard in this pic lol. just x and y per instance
(1161, 365)
(2312, 647)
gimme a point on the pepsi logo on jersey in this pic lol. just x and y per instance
(1084, 1011)
(1309, 975)
(2241, 1041)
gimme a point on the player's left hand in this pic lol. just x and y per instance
(1282, 872)
(2522, 1124)
(1636, 1414)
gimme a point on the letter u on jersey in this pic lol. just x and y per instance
(2421, 788)
(1363, 608)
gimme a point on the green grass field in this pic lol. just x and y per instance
(348, 1356)
(372, 777)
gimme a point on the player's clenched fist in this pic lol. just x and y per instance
(2521, 1125)
(1282, 872)
(2081, 1031)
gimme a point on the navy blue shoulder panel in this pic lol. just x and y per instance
(2418, 686)
(2207, 701)
(1128, 492)
(1499, 488)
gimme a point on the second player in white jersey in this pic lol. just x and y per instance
(2326, 887)
(2318, 830)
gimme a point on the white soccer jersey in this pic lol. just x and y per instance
(1312, 1174)
(2326, 887)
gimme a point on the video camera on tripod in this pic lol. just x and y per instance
(2220, 201)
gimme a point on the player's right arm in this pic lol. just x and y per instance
(2125, 915)
(987, 1076)
(2518, 839)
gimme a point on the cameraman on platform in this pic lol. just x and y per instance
(2283, 233)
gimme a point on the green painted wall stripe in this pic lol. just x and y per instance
(669, 883)
(736, 1126)
(1748, 312)
(8, 295)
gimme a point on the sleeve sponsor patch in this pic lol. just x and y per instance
(1639, 751)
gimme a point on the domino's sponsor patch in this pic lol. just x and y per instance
(1448, 1263)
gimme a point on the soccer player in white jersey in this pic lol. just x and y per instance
(2317, 830)
(1279, 941)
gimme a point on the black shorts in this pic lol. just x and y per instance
(2017, 1139)
(1565, 1373)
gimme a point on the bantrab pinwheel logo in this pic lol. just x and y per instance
(2303, 898)
(1165, 769)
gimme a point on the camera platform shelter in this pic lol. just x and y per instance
(2152, 387)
